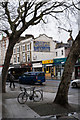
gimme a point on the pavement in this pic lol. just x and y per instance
(45, 109)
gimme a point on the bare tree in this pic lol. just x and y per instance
(16, 18)
(62, 94)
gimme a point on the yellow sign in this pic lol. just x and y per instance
(47, 61)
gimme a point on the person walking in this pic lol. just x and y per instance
(11, 80)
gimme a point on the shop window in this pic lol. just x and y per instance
(47, 69)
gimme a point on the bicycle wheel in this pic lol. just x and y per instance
(22, 98)
(37, 96)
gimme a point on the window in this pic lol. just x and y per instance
(18, 50)
(18, 58)
(23, 48)
(14, 59)
(28, 47)
(28, 57)
(24, 57)
(56, 54)
(61, 52)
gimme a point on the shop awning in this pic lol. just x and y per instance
(37, 65)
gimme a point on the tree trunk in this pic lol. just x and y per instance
(62, 93)
(8, 56)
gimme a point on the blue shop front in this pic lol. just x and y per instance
(59, 66)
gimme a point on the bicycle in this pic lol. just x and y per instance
(35, 95)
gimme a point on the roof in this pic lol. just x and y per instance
(59, 45)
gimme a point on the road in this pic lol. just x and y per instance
(52, 86)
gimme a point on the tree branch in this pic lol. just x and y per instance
(5, 5)
(76, 6)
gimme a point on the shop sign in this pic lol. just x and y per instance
(60, 61)
(40, 46)
(47, 61)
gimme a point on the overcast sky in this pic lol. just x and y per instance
(51, 28)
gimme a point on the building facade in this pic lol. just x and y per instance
(38, 54)
(32, 51)
(43, 49)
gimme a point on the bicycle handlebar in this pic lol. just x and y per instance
(30, 88)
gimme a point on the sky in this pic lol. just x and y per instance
(51, 29)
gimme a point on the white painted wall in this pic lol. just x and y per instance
(59, 53)
(39, 56)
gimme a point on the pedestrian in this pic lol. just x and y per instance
(11, 80)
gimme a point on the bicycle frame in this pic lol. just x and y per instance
(25, 91)
(35, 95)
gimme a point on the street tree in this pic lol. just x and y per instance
(16, 17)
(74, 54)
(62, 93)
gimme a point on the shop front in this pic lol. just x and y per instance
(47, 67)
(59, 67)
(54, 68)
(37, 66)
(28, 66)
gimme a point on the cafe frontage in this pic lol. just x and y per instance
(53, 68)
(47, 67)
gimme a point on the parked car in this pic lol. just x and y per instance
(32, 77)
(75, 83)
